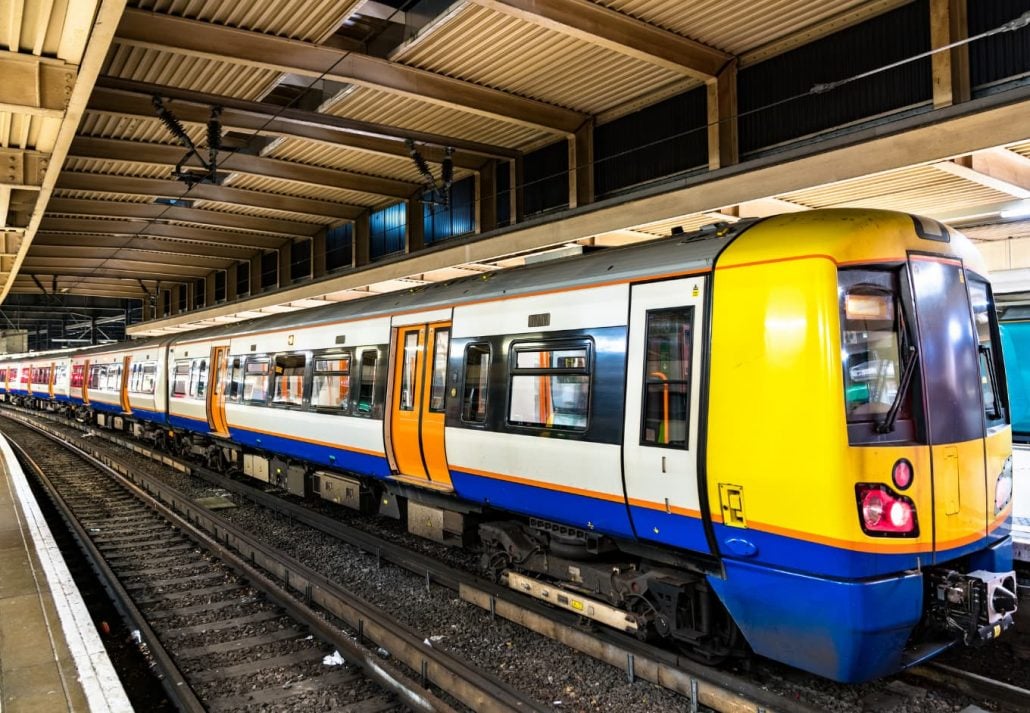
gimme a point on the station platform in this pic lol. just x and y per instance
(1021, 502)
(51, 657)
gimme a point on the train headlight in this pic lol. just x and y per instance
(1003, 488)
(884, 513)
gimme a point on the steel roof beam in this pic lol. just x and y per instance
(227, 44)
(130, 228)
(126, 97)
(74, 267)
(130, 185)
(124, 209)
(35, 85)
(160, 245)
(129, 252)
(617, 32)
(170, 154)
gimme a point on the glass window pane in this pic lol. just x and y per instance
(667, 377)
(438, 392)
(289, 380)
(366, 389)
(477, 375)
(255, 382)
(871, 344)
(990, 365)
(408, 376)
(550, 401)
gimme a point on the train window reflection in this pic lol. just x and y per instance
(477, 382)
(550, 387)
(367, 384)
(255, 380)
(437, 393)
(407, 395)
(667, 377)
(990, 365)
(872, 340)
(289, 380)
(330, 385)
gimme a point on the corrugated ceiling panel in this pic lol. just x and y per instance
(102, 196)
(33, 26)
(346, 159)
(493, 49)
(21, 131)
(136, 129)
(309, 20)
(236, 209)
(734, 27)
(304, 190)
(998, 231)
(1022, 149)
(922, 189)
(202, 75)
(394, 110)
(117, 168)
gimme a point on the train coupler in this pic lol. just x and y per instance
(979, 605)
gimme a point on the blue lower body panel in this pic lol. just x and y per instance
(106, 408)
(354, 461)
(849, 631)
(592, 514)
(146, 415)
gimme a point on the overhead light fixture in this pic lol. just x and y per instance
(1020, 211)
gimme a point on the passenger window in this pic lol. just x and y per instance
(667, 377)
(289, 380)
(476, 383)
(77, 370)
(180, 382)
(148, 377)
(198, 378)
(438, 385)
(550, 386)
(367, 383)
(408, 374)
(235, 379)
(330, 383)
(255, 380)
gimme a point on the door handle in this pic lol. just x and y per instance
(663, 464)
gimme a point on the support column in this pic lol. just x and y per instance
(285, 258)
(255, 274)
(209, 289)
(486, 197)
(175, 299)
(415, 225)
(723, 147)
(318, 255)
(517, 188)
(360, 239)
(231, 276)
(161, 303)
(191, 295)
(948, 23)
(581, 165)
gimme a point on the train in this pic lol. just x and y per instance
(786, 436)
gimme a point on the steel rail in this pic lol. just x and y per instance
(252, 558)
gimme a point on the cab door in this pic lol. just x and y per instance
(124, 390)
(418, 402)
(662, 405)
(216, 419)
(953, 389)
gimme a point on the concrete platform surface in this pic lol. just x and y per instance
(51, 657)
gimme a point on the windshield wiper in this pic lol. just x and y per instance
(887, 424)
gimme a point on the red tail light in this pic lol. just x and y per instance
(884, 513)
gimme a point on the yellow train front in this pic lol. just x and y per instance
(858, 465)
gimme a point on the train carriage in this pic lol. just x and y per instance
(790, 435)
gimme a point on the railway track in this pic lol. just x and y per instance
(710, 688)
(224, 634)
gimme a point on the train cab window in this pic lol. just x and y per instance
(438, 385)
(181, 378)
(255, 380)
(288, 389)
(666, 409)
(330, 382)
(476, 384)
(550, 386)
(991, 372)
(873, 341)
(367, 381)
(235, 379)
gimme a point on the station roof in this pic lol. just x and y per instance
(319, 99)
